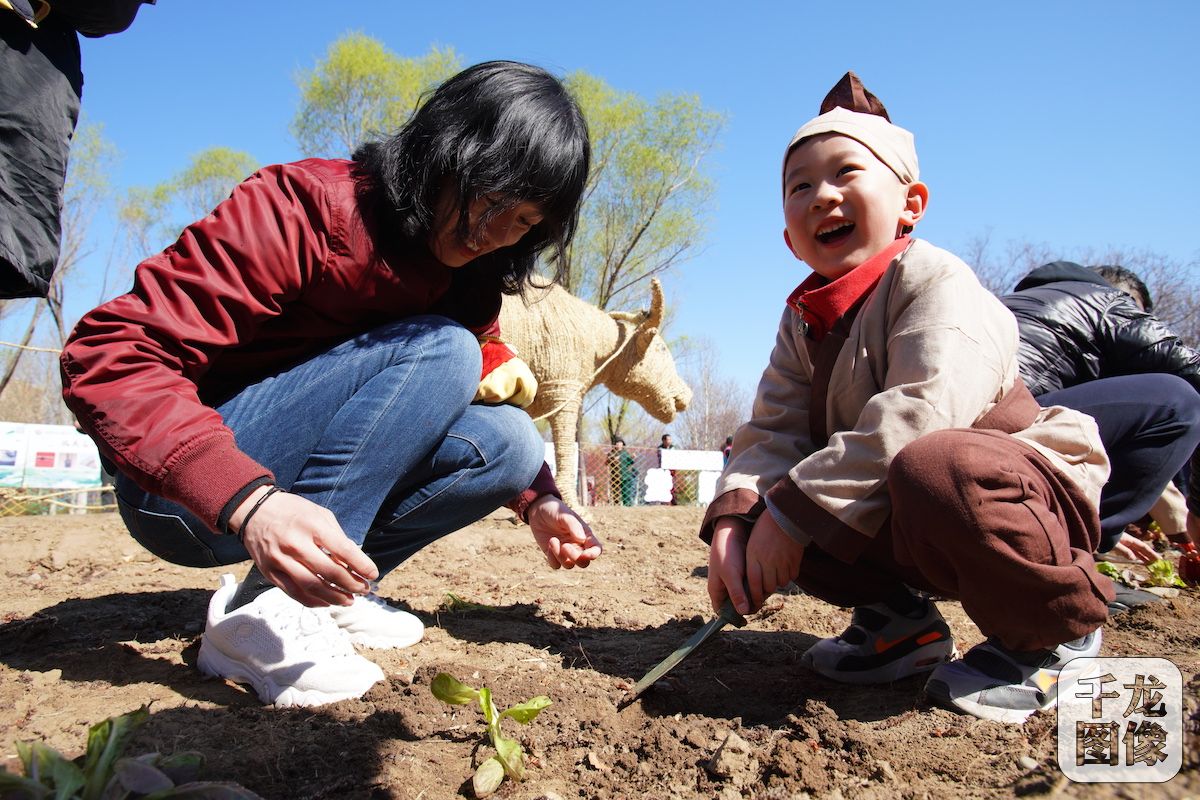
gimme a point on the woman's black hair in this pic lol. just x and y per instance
(1128, 282)
(500, 129)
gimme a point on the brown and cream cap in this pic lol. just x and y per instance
(850, 110)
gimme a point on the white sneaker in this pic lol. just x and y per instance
(289, 654)
(371, 622)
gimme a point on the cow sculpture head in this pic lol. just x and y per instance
(644, 371)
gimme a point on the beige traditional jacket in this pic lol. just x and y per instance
(930, 349)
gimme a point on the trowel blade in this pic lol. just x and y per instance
(727, 616)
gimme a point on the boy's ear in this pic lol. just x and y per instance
(915, 203)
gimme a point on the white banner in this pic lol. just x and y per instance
(47, 457)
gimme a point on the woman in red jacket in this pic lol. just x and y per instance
(297, 380)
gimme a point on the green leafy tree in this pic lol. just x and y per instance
(153, 216)
(361, 88)
(648, 192)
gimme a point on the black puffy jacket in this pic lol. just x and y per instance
(1076, 327)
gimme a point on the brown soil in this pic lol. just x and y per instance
(93, 626)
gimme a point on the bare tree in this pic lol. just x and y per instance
(87, 189)
(1172, 283)
(719, 404)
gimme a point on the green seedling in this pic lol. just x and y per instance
(1162, 573)
(102, 774)
(1110, 569)
(510, 758)
(454, 603)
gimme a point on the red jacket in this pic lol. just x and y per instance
(286, 267)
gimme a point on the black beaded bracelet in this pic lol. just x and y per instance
(254, 508)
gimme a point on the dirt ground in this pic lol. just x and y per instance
(93, 626)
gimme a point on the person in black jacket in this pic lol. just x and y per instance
(1089, 341)
(41, 83)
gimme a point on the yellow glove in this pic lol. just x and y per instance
(506, 378)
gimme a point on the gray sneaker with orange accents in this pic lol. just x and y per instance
(882, 645)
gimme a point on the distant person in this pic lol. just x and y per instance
(622, 474)
(310, 377)
(1090, 341)
(921, 461)
(41, 83)
(726, 450)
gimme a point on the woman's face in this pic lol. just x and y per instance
(500, 228)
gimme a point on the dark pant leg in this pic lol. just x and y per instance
(988, 520)
(1150, 425)
(873, 578)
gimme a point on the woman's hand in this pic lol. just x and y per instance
(772, 559)
(564, 537)
(300, 547)
(727, 564)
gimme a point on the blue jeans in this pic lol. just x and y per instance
(380, 430)
(1150, 424)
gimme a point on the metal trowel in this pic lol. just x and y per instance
(727, 616)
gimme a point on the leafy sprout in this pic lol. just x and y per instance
(101, 773)
(1162, 573)
(454, 603)
(510, 758)
(1109, 569)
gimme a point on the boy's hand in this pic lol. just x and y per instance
(563, 536)
(727, 564)
(772, 559)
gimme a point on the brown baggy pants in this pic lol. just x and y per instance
(982, 518)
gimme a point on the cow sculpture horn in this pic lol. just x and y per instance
(656, 304)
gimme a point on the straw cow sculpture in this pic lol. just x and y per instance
(571, 346)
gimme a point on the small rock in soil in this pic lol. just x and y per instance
(732, 757)
(1027, 763)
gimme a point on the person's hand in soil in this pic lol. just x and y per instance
(565, 539)
(772, 559)
(727, 564)
(1131, 548)
(300, 547)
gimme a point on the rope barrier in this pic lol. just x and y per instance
(19, 503)
(31, 348)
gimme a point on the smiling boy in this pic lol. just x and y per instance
(892, 446)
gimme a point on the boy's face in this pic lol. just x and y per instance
(843, 205)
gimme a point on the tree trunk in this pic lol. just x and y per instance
(11, 366)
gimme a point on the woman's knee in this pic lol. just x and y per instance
(454, 349)
(503, 441)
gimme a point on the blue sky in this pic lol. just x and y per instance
(1069, 124)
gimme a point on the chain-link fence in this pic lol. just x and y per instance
(630, 476)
